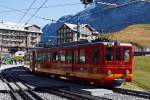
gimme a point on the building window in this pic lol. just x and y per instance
(67, 30)
(62, 30)
(70, 40)
(82, 56)
(64, 26)
(59, 31)
(62, 35)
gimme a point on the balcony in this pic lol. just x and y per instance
(33, 36)
(13, 45)
(34, 41)
(16, 40)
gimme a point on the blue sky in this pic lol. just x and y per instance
(51, 12)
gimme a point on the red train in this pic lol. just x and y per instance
(108, 63)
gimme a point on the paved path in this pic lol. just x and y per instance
(9, 66)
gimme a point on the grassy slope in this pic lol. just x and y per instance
(141, 73)
(137, 34)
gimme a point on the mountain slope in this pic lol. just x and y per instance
(107, 17)
(136, 34)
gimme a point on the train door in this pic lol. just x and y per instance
(36, 59)
(109, 56)
(32, 61)
(75, 63)
(69, 60)
(118, 62)
(39, 59)
(28, 59)
(82, 67)
(122, 60)
(61, 60)
(127, 60)
(94, 59)
(79, 62)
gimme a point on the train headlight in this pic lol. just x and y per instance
(127, 72)
(109, 72)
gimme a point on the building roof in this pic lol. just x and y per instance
(71, 26)
(33, 25)
(74, 27)
(16, 27)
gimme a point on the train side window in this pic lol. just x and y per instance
(118, 54)
(82, 56)
(27, 58)
(49, 57)
(109, 54)
(68, 56)
(44, 57)
(30, 58)
(126, 54)
(76, 56)
(40, 57)
(95, 56)
(61, 56)
(54, 56)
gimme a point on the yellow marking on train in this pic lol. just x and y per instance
(95, 76)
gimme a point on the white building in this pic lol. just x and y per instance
(14, 36)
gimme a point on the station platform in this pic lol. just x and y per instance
(2, 67)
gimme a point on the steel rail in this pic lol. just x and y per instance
(23, 93)
(65, 92)
(13, 95)
(69, 94)
(136, 93)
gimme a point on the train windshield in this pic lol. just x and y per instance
(28, 58)
(126, 54)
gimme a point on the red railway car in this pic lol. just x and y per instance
(108, 63)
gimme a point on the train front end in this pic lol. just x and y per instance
(117, 63)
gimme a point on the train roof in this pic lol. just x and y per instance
(85, 43)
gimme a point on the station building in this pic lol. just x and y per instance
(15, 37)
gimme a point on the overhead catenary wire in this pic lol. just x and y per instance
(29, 8)
(44, 7)
(17, 10)
(36, 11)
(38, 17)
